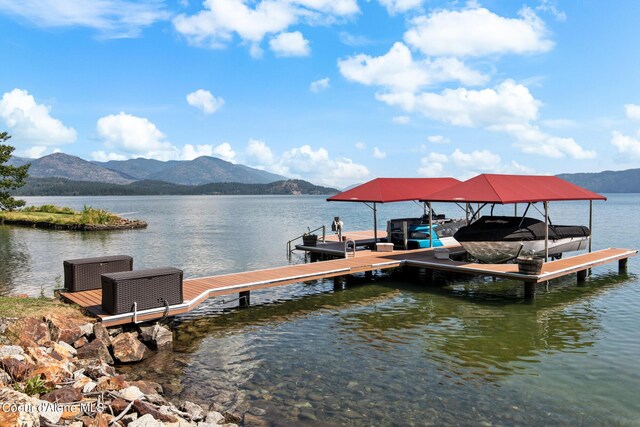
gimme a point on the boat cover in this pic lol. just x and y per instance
(510, 228)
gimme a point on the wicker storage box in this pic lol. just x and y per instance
(149, 288)
(84, 274)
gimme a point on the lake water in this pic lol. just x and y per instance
(391, 351)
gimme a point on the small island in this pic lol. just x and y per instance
(63, 218)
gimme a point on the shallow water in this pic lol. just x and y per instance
(392, 351)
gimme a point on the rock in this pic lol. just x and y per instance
(101, 333)
(214, 417)
(62, 351)
(80, 342)
(29, 332)
(114, 331)
(119, 404)
(253, 421)
(129, 418)
(131, 393)
(148, 387)
(127, 348)
(229, 418)
(95, 369)
(10, 350)
(146, 409)
(51, 370)
(5, 379)
(49, 413)
(63, 328)
(24, 414)
(86, 329)
(17, 367)
(76, 424)
(96, 349)
(117, 382)
(195, 411)
(158, 337)
(63, 395)
(146, 421)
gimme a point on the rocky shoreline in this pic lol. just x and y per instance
(123, 224)
(61, 371)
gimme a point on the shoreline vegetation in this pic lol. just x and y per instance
(63, 218)
(65, 187)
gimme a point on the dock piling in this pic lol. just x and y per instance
(529, 290)
(581, 275)
(622, 265)
(244, 299)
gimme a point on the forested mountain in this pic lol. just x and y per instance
(626, 181)
(64, 187)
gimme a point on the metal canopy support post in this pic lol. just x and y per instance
(375, 224)
(430, 226)
(546, 231)
(590, 223)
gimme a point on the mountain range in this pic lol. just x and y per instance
(202, 170)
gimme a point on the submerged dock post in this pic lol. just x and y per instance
(529, 289)
(244, 299)
(582, 275)
(622, 265)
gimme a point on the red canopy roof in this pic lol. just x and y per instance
(384, 190)
(492, 188)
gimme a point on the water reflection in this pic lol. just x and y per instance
(15, 260)
(341, 357)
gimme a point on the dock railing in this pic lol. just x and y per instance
(290, 247)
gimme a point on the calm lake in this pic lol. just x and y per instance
(464, 351)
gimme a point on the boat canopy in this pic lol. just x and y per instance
(505, 189)
(386, 190)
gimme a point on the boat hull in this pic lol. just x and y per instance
(501, 251)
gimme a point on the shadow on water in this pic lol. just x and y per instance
(367, 352)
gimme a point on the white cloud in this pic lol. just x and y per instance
(306, 163)
(438, 139)
(137, 136)
(30, 123)
(216, 25)
(531, 140)
(632, 111)
(379, 154)
(400, 6)
(225, 152)
(626, 145)
(432, 165)
(103, 156)
(260, 152)
(361, 145)
(398, 71)
(205, 101)
(112, 18)
(482, 160)
(468, 164)
(290, 44)
(476, 31)
(550, 7)
(507, 103)
(319, 85)
(34, 152)
(401, 120)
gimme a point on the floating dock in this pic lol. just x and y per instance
(198, 290)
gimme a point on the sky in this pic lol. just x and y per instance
(335, 92)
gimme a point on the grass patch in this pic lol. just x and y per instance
(29, 307)
(62, 215)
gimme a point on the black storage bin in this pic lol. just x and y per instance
(150, 288)
(83, 274)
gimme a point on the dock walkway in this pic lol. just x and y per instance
(197, 290)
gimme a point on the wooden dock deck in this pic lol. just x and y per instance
(197, 290)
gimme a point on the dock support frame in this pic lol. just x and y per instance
(529, 290)
(244, 299)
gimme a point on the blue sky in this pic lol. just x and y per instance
(333, 91)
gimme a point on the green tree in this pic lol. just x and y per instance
(11, 177)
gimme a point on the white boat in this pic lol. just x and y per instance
(496, 239)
